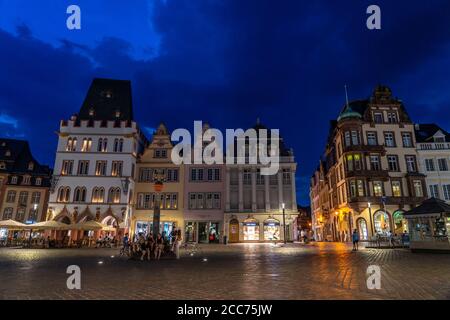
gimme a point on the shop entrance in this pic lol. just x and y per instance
(208, 232)
(234, 231)
(400, 223)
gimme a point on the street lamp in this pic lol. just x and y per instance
(370, 216)
(158, 186)
(284, 221)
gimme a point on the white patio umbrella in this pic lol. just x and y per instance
(49, 225)
(86, 226)
(12, 225)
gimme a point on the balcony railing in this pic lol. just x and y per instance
(368, 173)
(435, 146)
(389, 200)
(365, 148)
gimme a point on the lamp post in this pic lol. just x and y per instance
(158, 179)
(370, 217)
(284, 222)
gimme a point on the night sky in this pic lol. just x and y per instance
(225, 62)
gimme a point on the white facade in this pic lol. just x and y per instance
(105, 192)
(254, 203)
(434, 162)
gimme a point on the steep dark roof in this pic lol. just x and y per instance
(430, 206)
(105, 98)
(425, 132)
(19, 158)
(284, 151)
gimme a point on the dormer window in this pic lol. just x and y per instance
(2, 165)
(8, 153)
(439, 139)
(91, 112)
(26, 180)
(392, 117)
(160, 153)
(31, 166)
(378, 117)
(3, 144)
(14, 180)
(117, 114)
(38, 181)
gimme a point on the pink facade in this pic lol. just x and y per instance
(204, 203)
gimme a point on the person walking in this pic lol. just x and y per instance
(159, 246)
(178, 241)
(150, 246)
(125, 245)
(355, 239)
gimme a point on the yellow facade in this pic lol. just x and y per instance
(156, 159)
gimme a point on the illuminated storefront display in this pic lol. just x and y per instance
(3, 233)
(271, 230)
(202, 231)
(400, 223)
(382, 223)
(145, 227)
(251, 230)
(362, 228)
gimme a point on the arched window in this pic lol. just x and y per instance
(87, 143)
(120, 145)
(67, 194)
(60, 196)
(79, 194)
(63, 194)
(98, 195)
(362, 229)
(100, 145)
(105, 145)
(71, 144)
(382, 222)
(116, 145)
(114, 195)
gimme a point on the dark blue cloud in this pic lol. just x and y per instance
(229, 62)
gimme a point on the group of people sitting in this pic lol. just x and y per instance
(105, 241)
(148, 247)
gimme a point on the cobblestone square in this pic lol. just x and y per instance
(242, 271)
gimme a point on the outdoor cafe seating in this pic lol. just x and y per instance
(53, 234)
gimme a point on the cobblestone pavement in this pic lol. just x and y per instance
(242, 271)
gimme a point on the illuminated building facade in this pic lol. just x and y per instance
(370, 169)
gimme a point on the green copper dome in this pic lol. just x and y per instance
(354, 109)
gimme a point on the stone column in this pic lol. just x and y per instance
(227, 190)
(241, 189)
(267, 193)
(280, 189)
(294, 191)
(254, 189)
